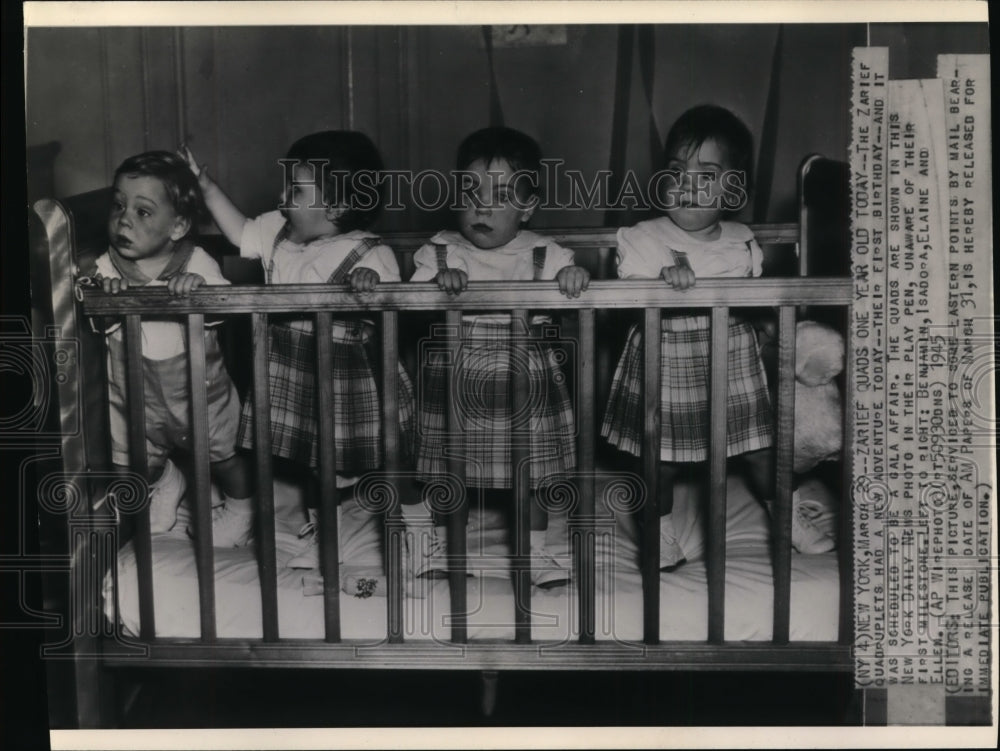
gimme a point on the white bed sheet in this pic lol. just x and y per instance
(683, 592)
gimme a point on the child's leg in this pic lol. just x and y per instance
(671, 554)
(667, 477)
(234, 477)
(539, 517)
(759, 466)
(806, 536)
(232, 520)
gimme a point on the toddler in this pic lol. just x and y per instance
(492, 244)
(155, 205)
(319, 236)
(709, 150)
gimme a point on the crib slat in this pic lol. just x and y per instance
(584, 559)
(137, 455)
(781, 523)
(390, 437)
(521, 476)
(328, 495)
(205, 554)
(718, 391)
(651, 475)
(266, 545)
(457, 563)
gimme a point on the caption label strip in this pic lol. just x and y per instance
(922, 332)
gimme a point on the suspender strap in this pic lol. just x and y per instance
(441, 254)
(538, 260)
(278, 239)
(339, 276)
(680, 259)
(129, 269)
(340, 273)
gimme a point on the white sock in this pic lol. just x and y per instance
(441, 531)
(538, 538)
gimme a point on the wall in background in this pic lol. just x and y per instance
(240, 95)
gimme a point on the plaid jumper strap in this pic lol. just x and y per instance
(339, 276)
(538, 261)
(441, 254)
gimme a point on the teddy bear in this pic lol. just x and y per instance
(819, 359)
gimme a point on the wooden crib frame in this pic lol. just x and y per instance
(89, 534)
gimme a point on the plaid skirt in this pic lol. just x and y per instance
(684, 394)
(486, 426)
(357, 412)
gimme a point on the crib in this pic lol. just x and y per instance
(744, 601)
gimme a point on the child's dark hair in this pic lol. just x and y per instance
(518, 149)
(179, 182)
(352, 178)
(709, 122)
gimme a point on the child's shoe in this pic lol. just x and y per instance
(232, 524)
(549, 561)
(671, 555)
(307, 555)
(428, 551)
(546, 569)
(807, 537)
(164, 497)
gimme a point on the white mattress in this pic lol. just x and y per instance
(683, 592)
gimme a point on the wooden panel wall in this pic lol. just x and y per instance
(240, 95)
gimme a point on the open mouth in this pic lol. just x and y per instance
(480, 227)
(122, 241)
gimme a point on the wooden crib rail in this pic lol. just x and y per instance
(720, 295)
(479, 296)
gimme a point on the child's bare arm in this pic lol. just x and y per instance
(229, 218)
(573, 280)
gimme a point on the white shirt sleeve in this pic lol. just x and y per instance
(202, 263)
(557, 258)
(258, 236)
(756, 258)
(382, 261)
(425, 261)
(636, 258)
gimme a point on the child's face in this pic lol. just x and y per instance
(695, 205)
(302, 205)
(143, 224)
(492, 215)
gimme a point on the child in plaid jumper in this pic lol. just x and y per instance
(708, 155)
(492, 244)
(318, 237)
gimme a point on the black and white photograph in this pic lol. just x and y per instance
(437, 374)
